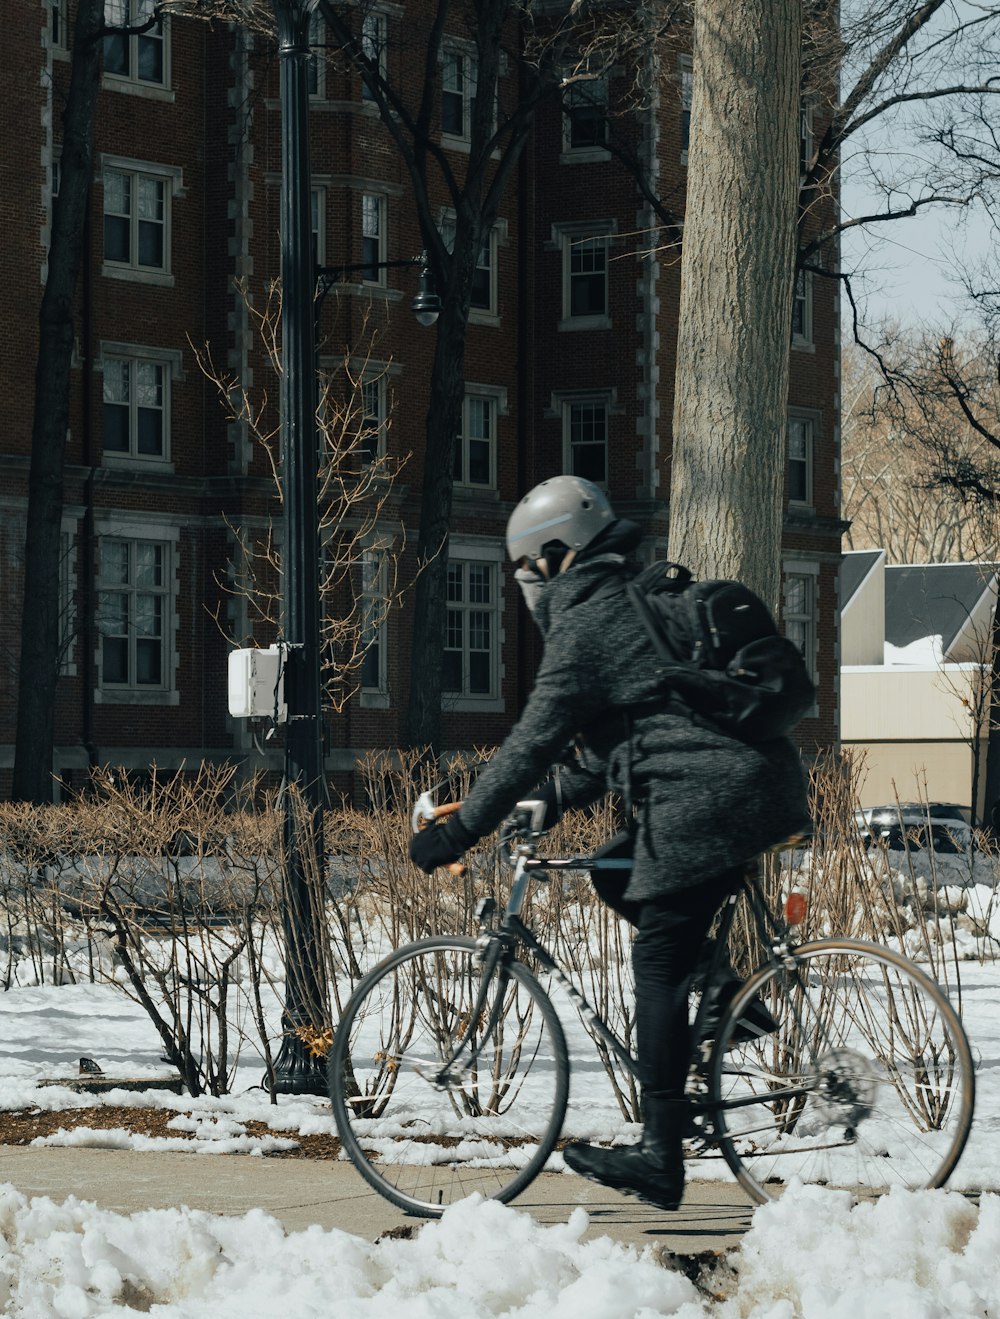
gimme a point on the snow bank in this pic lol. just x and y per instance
(814, 1255)
(481, 1261)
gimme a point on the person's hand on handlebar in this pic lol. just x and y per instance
(440, 844)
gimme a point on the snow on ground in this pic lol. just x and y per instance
(812, 1254)
(924, 1255)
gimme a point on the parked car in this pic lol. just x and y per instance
(939, 826)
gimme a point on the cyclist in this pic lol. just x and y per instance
(701, 804)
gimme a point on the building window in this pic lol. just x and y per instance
(133, 603)
(471, 630)
(373, 46)
(801, 441)
(482, 279)
(802, 310)
(585, 300)
(317, 208)
(373, 621)
(475, 447)
(134, 56)
(585, 115)
(58, 24)
(373, 237)
(685, 69)
(585, 438)
(67, 601)
(805, 137)
(587, 273)
(371, 432)
(799, 612)
(136, 413)
(458, 92)
(135, 220)
(484, 283)
(316, 66)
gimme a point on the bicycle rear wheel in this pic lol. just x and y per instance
(427, 1119)
(868, 1082)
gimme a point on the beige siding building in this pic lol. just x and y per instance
(917, 658)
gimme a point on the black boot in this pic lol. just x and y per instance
(754, 1021)
(653, 1170)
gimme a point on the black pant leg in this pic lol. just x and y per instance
(665, 956)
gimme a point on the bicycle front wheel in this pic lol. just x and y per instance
(867, 1083)
(442, 1085)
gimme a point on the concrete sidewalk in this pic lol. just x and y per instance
(300, 1192)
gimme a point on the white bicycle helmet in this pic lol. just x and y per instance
(566, 509)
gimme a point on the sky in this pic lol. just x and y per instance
(813, 1254)
(910, 265)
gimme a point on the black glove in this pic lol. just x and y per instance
(440, 844)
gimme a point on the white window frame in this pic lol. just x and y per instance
(475, 552)
(374, 43)
(571, 240)
(809, 422)
(170, 364)
(685, 87)
(581, 92)
(374, 587)
(804, 629)
(466, 57)
(802, 304)
(569, 405)
(59, 24)
(132, 693)
(133, 17)
(495, 397)
(374, 206)
(169, 178)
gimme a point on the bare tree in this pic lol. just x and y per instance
(524, 53)
(521, 58)
(912, 117)
(40, 621)
(362, 541)
(921, 455)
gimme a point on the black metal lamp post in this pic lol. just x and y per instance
(297, 1069)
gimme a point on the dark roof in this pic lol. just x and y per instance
(854, 568)
(932, 599)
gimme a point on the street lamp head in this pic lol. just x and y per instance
(426, 305)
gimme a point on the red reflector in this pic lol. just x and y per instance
(795, 908)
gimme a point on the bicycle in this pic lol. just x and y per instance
(450, 1071)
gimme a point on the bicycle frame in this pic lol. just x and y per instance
(500, 943)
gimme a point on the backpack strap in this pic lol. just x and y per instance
(648, 620)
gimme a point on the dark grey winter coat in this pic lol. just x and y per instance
(704, 802)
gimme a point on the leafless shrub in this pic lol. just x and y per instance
(173, 892)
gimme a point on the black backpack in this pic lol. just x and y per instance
(722, 653)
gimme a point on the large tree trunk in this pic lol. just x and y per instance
(737, 276)
(39, 664)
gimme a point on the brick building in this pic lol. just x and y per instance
(569, 366)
